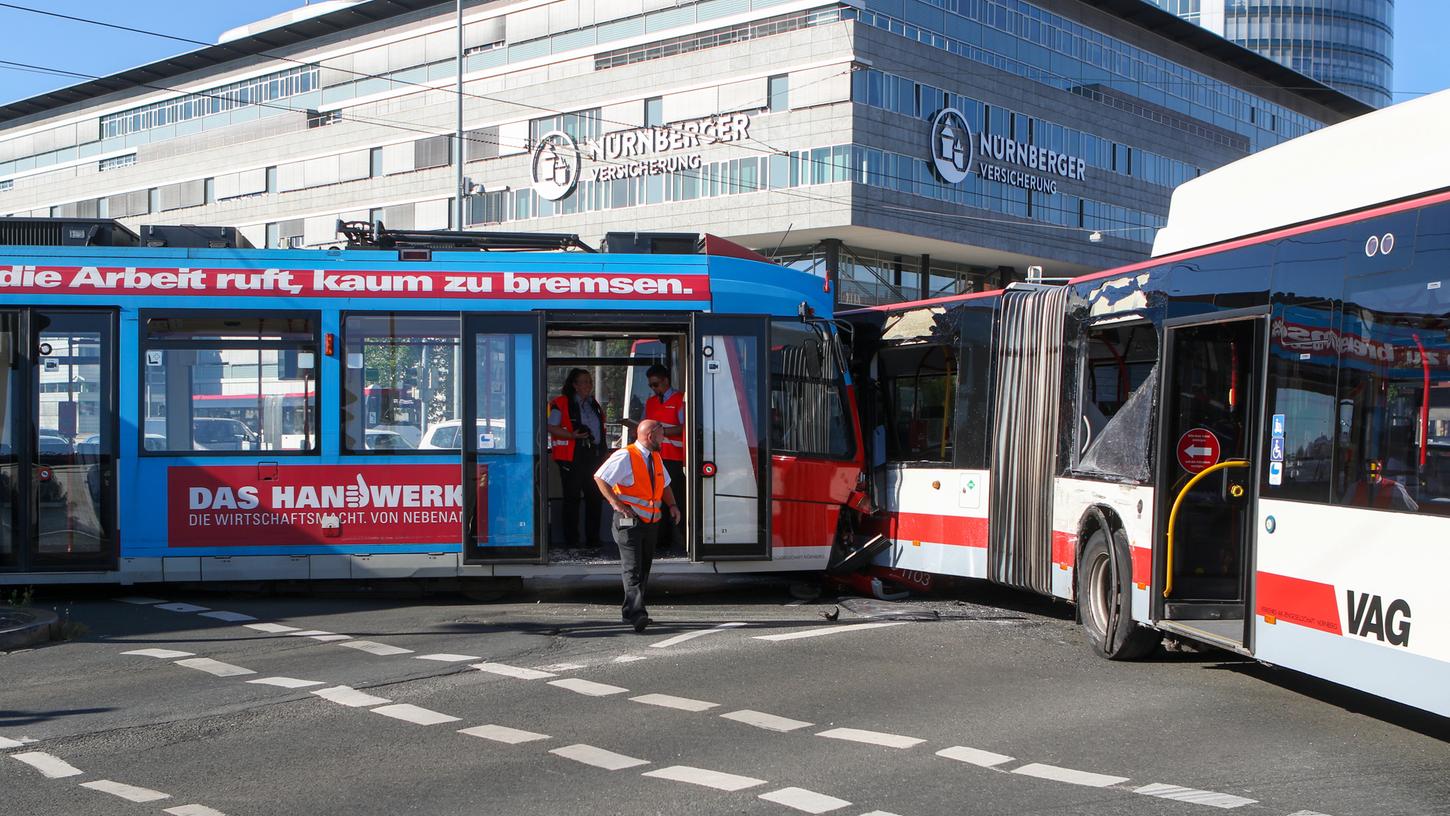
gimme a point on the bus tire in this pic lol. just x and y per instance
(1105, 601)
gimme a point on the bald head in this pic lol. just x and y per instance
(651, 434)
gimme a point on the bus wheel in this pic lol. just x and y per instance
(1104, 599)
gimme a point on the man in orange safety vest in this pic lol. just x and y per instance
(635, 483)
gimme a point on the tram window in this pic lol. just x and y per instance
(1303, 369)
(401, 389)
(229, 384)
(918, 382)
(1119, 376)
(1393, 437)
(807, 407)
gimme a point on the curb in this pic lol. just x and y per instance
(22, 628)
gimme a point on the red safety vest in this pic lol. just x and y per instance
(562, 449)
(1384, 494)
(644, 496)
(668, 411)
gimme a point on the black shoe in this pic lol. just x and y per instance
(640, 622)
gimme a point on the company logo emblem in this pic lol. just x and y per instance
(555, 165)
(952, 150)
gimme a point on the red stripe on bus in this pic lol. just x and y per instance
(954, 531)
(1142, 565)
(1064, 548)
(1296, 600)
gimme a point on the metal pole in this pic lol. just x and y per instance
(459, 190)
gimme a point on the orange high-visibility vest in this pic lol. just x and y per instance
(1384, 494)
(668, 411)
(644, 496)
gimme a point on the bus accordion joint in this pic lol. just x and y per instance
(1173, 515)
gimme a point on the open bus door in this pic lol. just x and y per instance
(503, 439)
(1211, 411)
(727, 441)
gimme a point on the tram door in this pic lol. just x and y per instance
(1210, 415)
(503, 438)
(57, 440)
(727, 445)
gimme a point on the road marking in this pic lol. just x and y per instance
(878, 813)
(229, 617)
(307, 633)
(512, 671)
(598, 757)
(666, 701)
(871, 737)
(1069, 775)
(630, 658)
(559, 668)
(974, 756)
(769, 722)
(414, 714)
(668, 642)
(349, 696)
(1197, 797)
(130, 793)
(182, 607)
(52, 766)
(329, 636)
(164, 654)
(140, 600)
(804, 800)
(449, 658)
(588, 687)
(6, 742)
(502, 733)
(830, 630)
(215, 667)
(705, 778)
(271, 628)
(373, 647)
(286, 682)
(193, 810)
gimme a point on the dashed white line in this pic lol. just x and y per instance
(130, 793)
(140, 600)
(193, 810)
(330, 636)
(182, 607)
(668, 701)
(805, 800)
(974, 756)
(560, 668)
(830, 630)
(502, 733)
(53, 767)
(164, 654)
(516, 672)
(215, 667)
(307, 633)
(668, 642)
(373, 647)
(629, 658)
(1069, 775)
(598, 757)
(1197, 797)
(705, 778)
(414, 714)
(588, 687)
(349, 696)
(769, 722)
(871, 737)
(449, 658)
(285, 682)
(6, 742)
(229, 617)
(271, 628)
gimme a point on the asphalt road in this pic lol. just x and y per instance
(736, 701)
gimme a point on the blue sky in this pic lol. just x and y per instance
(1422, 62)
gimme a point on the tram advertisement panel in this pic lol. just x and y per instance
(261, 505)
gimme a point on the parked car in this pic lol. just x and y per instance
(208, 433)
(382, 439)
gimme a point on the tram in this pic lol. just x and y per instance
(193, 412)
(1243, 441)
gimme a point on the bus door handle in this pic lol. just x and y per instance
(1173, 514)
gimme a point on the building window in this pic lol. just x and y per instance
(401, 383)
(271, 179)
(777, 93)
(115, 162)
(654, 111)
(255, 91)
(229, 384)
(581, 125)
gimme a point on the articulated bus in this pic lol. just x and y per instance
(200, 413)
(1244, 441)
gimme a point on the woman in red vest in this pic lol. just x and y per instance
(576, 443)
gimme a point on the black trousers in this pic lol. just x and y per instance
(674, 536)
(636, 554)
(577, 481)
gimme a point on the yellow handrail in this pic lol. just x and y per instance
(1173, 514)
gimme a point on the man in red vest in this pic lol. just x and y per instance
(635, 483)
(667, 407)
(1378, 490)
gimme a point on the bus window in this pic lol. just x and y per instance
(1119, 377)
(222, 384)
(401, 384)
(1303, 369)
(1393, 448)
(807, 408)
(918, 383)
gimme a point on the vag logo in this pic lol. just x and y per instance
(1368, 615)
